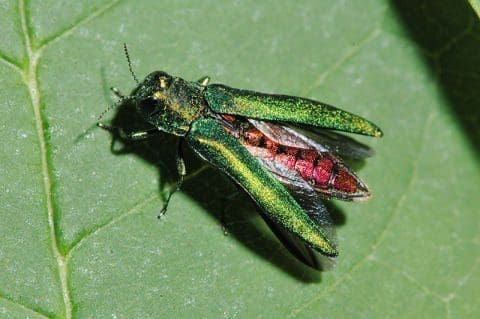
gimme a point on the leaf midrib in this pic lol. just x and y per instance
(29, 75)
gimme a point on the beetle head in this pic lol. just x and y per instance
(169, 103)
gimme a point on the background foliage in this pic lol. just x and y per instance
(79, 234)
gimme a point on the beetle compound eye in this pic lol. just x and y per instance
(163, 82)
(148, 106)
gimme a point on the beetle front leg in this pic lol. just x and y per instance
(133, 136)
(181, 170)
(139, 135)
(117, 93)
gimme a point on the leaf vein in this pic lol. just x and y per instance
(136, 209)
(30, 77)
(70, 29)
(16, 65)
(351, 52)
(25, 307)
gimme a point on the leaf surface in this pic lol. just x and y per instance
(80, 237)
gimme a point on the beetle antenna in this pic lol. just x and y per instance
(111, 107)
(130, 63)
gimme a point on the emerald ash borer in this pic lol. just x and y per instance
(282, 150)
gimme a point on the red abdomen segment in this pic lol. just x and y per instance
(323, 171)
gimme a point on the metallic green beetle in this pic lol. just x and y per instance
(280, 149)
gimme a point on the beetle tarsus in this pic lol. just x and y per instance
(163, 211)
(105, 127)
(117, 93)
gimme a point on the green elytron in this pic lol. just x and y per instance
(278, 148)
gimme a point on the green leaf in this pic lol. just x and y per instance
(475, 5)
(80, 237)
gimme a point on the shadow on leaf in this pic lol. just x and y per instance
(448, 34)
(212, 191)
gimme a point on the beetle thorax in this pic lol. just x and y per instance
(169, 103)
(183, 103)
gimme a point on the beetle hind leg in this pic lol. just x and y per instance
(223, 212)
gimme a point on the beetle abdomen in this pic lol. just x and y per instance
(323, 171)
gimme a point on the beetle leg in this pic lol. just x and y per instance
(181, 170)
(227, 199)
(204, 80)
(139, 135)
(133, 136)
(117, 93)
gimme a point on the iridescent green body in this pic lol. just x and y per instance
(275, 107)
(227, 154)
(198, 113)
